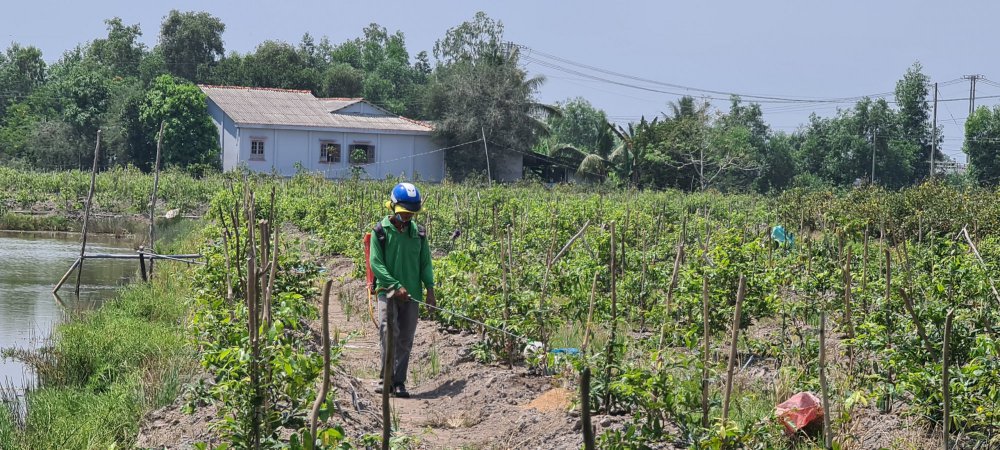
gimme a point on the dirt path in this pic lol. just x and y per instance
(456, 402)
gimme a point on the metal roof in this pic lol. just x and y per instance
(334, 104)
(285, 107)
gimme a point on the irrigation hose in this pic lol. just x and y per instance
(371, 312)
(516, 336)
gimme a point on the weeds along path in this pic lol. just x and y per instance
(456, 402)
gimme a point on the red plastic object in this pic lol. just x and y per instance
(369, 275)
(799, 411)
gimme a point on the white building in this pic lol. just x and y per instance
(279, 130)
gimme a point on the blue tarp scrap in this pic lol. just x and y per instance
(779, 235)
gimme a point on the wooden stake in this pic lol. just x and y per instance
(741, 292)
(66, 276)
(142, 265)
(975, 251)
(152, 197)
(86, 214)
(252, 323)
(325, 386)
(673, 285)
(827, 431)
(945, 386)
(590, 315)
(269, 293)
(908, 303)
(588, 429)
(614, 321)
(705, 349)
(387, 367)
(509, 341)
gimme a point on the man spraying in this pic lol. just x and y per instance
(401, 262)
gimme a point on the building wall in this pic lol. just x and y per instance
(394, 153)
(427, 166)
(506, 165)
(228, 140)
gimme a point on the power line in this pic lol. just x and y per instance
(782, 99)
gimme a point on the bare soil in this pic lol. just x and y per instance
(456, 402)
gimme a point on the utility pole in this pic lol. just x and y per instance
(934, 132)
(874, 145)
(489, 176)
(972, 91)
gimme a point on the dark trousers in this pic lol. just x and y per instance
(404, 318)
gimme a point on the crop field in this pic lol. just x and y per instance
(692, 321)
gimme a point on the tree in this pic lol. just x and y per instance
(341, 80)
(478, 40)
(16, 128)
(191, 43)
(631, 153)
(471, 98)
(580, 136)
(83, 95)
(189, 136)
(914, 119)
(475, 93)
(22, 70)
(121, 52)
(982, 144)
(279, 65)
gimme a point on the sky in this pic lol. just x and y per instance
(820, 51)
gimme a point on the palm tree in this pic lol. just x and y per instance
(628, 155)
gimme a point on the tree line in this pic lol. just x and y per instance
(471, 86)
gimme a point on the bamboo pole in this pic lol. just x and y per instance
(325, 386)
(225, 253)
(921, 332)
(975, 251)
(590, 316)
(273, 266)
(827, 430)
(678, 258)
(507, 278)
(588, 429)
(252, 324)
(152, 197)
(945, 386)
(142, 264)
(86, 214)
(741, 292)
(614, 320)
(66, 276)
(705, 350)
(387, 368)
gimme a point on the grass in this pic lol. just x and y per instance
(104, 369)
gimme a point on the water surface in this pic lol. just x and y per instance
(30, 266)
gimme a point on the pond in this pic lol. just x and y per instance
(30, 266)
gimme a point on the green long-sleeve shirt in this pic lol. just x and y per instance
(406, 261)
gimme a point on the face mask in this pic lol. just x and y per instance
(400, 219)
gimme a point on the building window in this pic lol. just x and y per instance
(329, 152)
(362, 153)
(257, 149)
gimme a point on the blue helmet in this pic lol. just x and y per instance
(405, 198)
